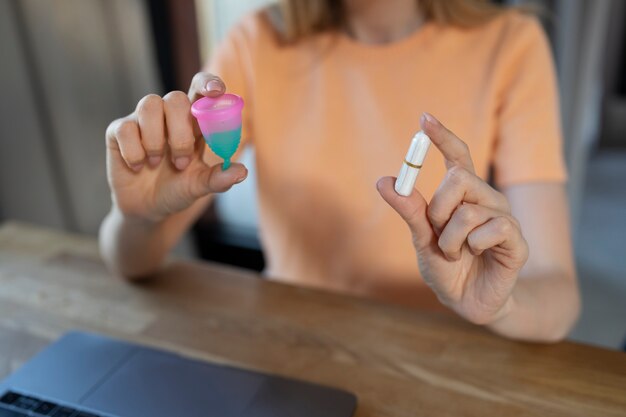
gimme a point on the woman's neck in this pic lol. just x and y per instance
(382, 21)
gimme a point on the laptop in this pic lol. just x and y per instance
(87, 375)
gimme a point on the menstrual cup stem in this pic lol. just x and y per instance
(226, 164)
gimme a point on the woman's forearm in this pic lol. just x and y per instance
(133, 248)
(544, 307)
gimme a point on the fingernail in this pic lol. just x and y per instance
(214, 85)
(136, 167)
(154, 160)
(182, 162)
(240, 179)
(428, 118)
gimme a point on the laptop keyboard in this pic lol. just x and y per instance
(13, 404)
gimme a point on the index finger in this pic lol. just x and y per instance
(204, 84)
(454, 150)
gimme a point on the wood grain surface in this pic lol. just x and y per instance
(398, 362)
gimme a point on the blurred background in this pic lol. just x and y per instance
(69, 67)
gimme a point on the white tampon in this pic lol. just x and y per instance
(412, 164)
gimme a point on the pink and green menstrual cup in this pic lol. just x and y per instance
(220, 122)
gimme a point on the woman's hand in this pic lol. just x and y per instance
(156, 162)
(469, 247)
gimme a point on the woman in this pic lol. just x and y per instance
(333, 94)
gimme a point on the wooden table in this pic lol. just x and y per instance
(398, 362)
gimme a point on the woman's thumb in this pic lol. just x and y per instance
(412, 209)
(215, 180)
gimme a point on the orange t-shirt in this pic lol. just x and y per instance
(328, 116)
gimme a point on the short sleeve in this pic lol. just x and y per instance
(231, 61)
(528, 146)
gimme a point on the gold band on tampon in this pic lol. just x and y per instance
(412, 165)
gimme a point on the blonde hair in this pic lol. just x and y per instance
(302, 18)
